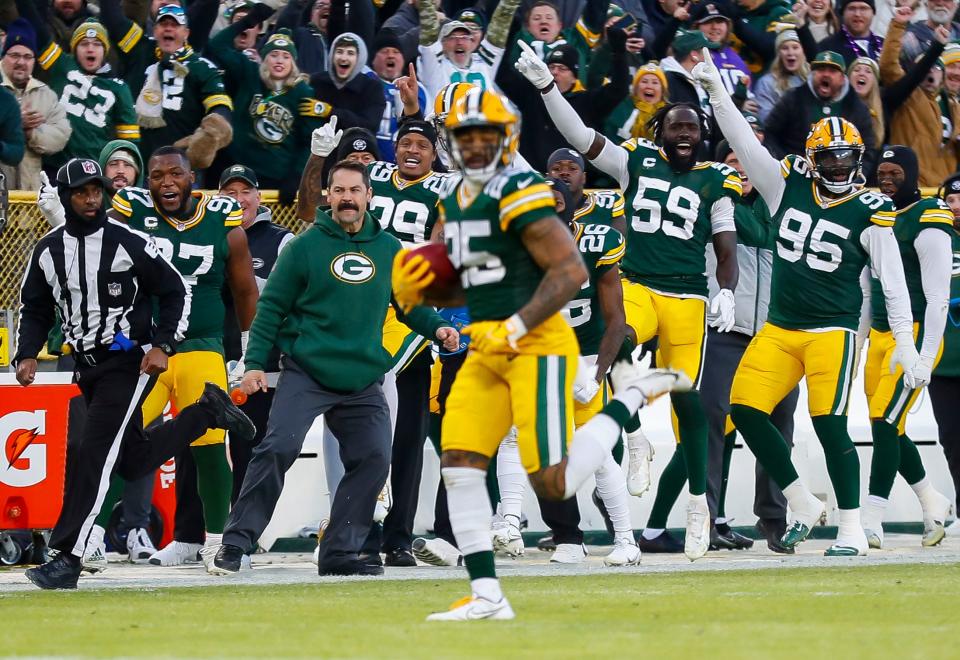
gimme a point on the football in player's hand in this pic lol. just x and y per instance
(446, 280)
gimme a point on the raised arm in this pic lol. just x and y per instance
(323, 142)
(429, 22)
(499, 28)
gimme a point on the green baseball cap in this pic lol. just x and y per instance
(687, 41)
(829, 58)
(239, 173)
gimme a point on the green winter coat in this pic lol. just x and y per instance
(325, 302)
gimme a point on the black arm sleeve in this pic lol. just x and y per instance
(660, 45)
(161, 280)
(760, 42)
(360, 21)
(290, 16)
(337, 20)
(607, 97)
(808, 42)
(778, 123)
(894, 95)
(36, 309)
(111, 15)
(38, 19)
(201, 15)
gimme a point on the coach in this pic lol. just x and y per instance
(324, 306)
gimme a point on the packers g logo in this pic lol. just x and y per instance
(353, 268)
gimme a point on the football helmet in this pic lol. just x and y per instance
(443, 103)
(481, 108)
(834, 151)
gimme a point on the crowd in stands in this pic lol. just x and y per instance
(246, 82)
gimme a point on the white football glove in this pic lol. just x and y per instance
(235, 374)
(533, 68)
(707, 74)
(585, 385)
(49, 202)
(325, 139)
(724, 308)
(905, 355)
(922, 372)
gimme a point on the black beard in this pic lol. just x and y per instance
(680, 163)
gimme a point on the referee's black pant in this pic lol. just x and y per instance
(113, 438)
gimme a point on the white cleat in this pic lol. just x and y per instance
(176, 553)
(207, 554)
(321, 528)
(697, 538)
(384, 502)
(625, 553)
(139, 546)
(935, 512)
(507, 539)
(874, 538)
(94, 559)
(855, 545)
(651, 382)
(640, 455)
(474, 608)
(805, 517)
(436, 552)
(569, 553)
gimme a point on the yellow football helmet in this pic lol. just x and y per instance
(834, 151)
(484, 108)
(443, 103)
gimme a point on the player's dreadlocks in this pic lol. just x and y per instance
(655, 123)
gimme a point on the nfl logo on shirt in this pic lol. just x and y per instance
(113, 288)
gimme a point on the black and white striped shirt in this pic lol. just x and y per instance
(103, 278)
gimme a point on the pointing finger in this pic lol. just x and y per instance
(525, 47)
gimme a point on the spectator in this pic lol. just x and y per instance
(789, 69)
(388, 62)
(637, 51)
(864, 76)
(928, 120)
(630, 118)
(46, 128)
(309, 33)
(247, 40)
(753, 26)
(122, 164)
(180, 97)
(11, 132)
(687, 52)
(886, 9)
(540, 136)
(354, 98)
(826, 94)
(543, 31)
(276, 111)
(817, 17)
(855, 39)
(951, 70)
(64, 19)
(99, 107)
(454, 57)
(920, 34)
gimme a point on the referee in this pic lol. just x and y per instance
(102, 277)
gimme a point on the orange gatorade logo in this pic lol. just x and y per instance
(23, 461)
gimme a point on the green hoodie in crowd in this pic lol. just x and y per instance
(126, 145)
(325, 302)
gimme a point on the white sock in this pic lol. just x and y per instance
(213, 540)
(922, 488)
(488, 588)
(649, 533)
(700, 499)
(511, 477)
(632, 398)
(797, 495)
(848, 525)
(469, 508)
(872, 515)
(612, 488)
(591, 444)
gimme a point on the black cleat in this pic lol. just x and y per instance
(226, 415)
(724, 538)
(547, 544)
(371, 558)
(350, 567)
(597, 502)
(60, 573)
(773, 530)
(227, 561)
(400, 557)
(665, 543)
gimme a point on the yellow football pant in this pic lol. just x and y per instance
(182, 383)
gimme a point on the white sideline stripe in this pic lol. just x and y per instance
(108, 464)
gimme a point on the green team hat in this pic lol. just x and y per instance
(687, 41)
(280, 40)
(239, 173)
(829, 58)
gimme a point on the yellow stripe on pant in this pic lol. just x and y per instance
(182, 383)
(402, 343)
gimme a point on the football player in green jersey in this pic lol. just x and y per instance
(518, 267)
(678, 205)
(827, 230)
(924, 231)
(201, 235)
(597, 207)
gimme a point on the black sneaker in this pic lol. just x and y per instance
(722, 537)
(353, 567)
(547, 544)
(400, 557)
(227, 560)
(61, 573)
(597, 502)
(773, 530)
(371, 559)
(226, 415)
(665, 543)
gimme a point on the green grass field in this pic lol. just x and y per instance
(899, 611)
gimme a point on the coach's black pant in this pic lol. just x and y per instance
(724, 350)
(361, 423)
(113, 438)
(945, 400)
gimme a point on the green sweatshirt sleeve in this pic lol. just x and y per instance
(753, 224)
(422, 319)
(286, 281)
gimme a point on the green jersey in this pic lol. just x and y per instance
(406, 209)
(100, 108)
(599, 207)
(197, 247)
(929, 213)
(674, 216)
(483, 240)
(819, 255)
(602, 248)
(949, 364)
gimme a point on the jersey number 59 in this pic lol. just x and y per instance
(682, 204)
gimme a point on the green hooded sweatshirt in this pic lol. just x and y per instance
(126, 145)
(325, 302)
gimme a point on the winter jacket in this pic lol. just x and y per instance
(48, 138)
(11, 131)
(766, 93)
(357, 101)
(917, 123)
(115, 145)
(840, 43)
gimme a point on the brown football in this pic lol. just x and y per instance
(447, 281)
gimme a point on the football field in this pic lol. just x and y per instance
(899, 604)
